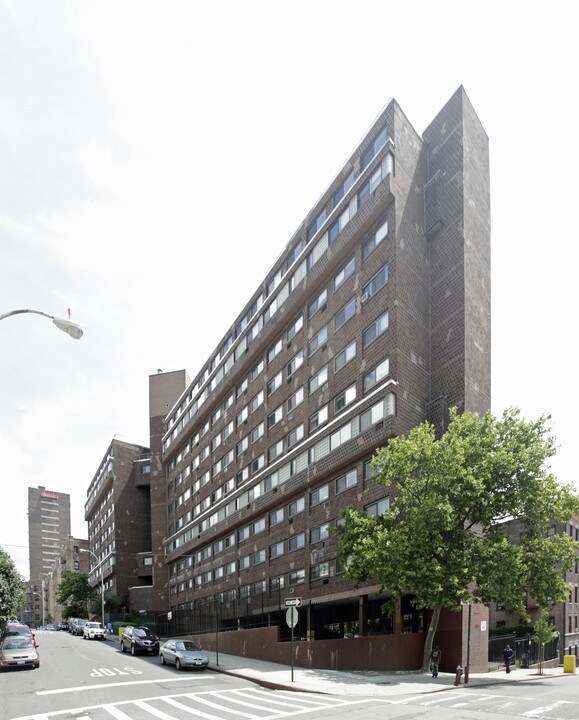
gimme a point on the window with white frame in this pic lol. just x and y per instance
(296, 507)
(274, 383)
(259, 526)
(258, 432)
(296, 542)
(276, 517)
(374, 376)
(297, 577)
(274, 417)
(257, 401)
(348, 269)
(275, 451)
(318, 341)
(346, 481)
(345, 398)
(344, 314)
(378, 508)
(317, 224)
(274, 350)
(296, 399)
(374, 148)
(319, 495)
(344, 187)
(295, 436)
(276, 550)
(242, 415)
(372, 242)
(295, 327)
(322, 570)
(318, 303)
(319, 533)
(379, 326)
(344, 356)
(259, 557)
(376, 283)
(257, 370)
(296, 362)
(244, 562)
(339, 225)
(319, 379)
(318, 419)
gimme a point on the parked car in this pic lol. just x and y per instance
(78, 625)
(63, 626)
(18, 629)
(93, 631)
(183, 654)
(139, 640)
(18, 651)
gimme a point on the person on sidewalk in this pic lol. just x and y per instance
(507, 657)
(435, 658)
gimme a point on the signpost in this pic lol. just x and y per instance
(291, 618)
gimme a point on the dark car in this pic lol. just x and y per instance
(18, 651)
(183, 654)
(63, 626)
(139, 640)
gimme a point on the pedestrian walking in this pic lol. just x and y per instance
(507, 657)
(435, 658)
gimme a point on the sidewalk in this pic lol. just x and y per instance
(366, 683)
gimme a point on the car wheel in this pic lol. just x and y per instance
(123, 647)
(133, 650)
(178, 664)
(163, 661)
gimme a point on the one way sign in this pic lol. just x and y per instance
(293, 602)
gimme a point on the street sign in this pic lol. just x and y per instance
(291, 617)
(293, 602)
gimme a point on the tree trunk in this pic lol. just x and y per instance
(432, 628)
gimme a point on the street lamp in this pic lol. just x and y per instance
(66, 326)
(102, 583)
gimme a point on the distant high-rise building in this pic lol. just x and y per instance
(48, 529)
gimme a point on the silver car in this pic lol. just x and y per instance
(93, 631)
(18, 651)
(183, 654)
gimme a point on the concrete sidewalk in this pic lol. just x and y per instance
(365, 683)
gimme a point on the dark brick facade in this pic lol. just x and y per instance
(231, 538)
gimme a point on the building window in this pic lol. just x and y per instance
(339, 225)
(374, 376)
(297, 577)
(320, 571)
(276, 550)
(318, 303)
(294, 329)
(243, 534)
(369, 187)
(319, 495)
(274, 417)
(258, 464)
(318, 341)
(296, 362)
(244, 562)
(274, 350)
(348, 269)
(259, 526)
(274, 384)
(259, 557)
(343, 189)
(376, 329)
(344, 357)
(296, 399)
(242, 415)
(295, 436)
(343, 315)
(319, 379)
(257, 401)
(377, 508)
(242, 445)
(374, 240)
(275, 451)
(376, 283)
(322, 532)
(345, 398)
(257, 432)
(374, 148)
(346, 481)
(276, 583)
(318, 419)
(257, 370)
(317, 224)
(296, 542)
(276, 517)
(296, 507)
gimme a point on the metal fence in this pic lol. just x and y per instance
(526, 652)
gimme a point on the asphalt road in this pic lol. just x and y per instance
(93, 680)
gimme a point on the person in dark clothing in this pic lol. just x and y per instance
(435, 657)
(507, 657)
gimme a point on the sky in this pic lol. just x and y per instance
(156, 157)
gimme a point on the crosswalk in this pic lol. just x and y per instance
(236, 704)
(496, 703)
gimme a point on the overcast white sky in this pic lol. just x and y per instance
(156, 156)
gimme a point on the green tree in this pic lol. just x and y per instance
(11, 589)
(444, 540)
(543, 633)
(75, 593)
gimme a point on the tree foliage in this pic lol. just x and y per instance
(75, 593)
(11, 589)
(453, 501)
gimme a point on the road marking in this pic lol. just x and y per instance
(120, 684)
(537, 712)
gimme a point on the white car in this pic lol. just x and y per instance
(94, 631)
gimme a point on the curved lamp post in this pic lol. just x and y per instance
(82, 550)
(66, 326)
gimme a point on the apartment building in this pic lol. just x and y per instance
(375, 317)
(48, 529)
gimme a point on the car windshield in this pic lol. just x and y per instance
(17, 644)
(19, 631)
(188, 645)
(93, 625)
(142, 632)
